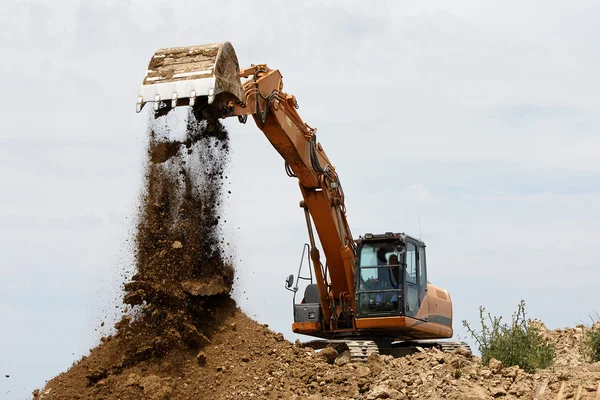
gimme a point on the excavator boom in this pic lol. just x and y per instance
(179, 76)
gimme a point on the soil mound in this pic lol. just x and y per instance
(180, 292)
(568, 342)
(246, 360)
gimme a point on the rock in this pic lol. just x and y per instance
(132, 380)
(439, 357)
(376, 364)
(383, 391)
(329, 354)
(511, 372)
(177, 244)
(473, 393)
(463, 351)
(233, 326)
(485, 373)
(495, 366)
(362, 371)
(343, 359)
(458, 361)
(201, 359)
(498, 391)
(363, 385)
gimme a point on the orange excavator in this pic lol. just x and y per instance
(371, 295)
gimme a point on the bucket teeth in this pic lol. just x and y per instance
(140, 104)
(179, 74)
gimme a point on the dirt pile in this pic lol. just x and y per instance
(246, 360)
(181, 289)
(432, 374)
(568, 342)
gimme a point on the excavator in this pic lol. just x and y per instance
(369, 295)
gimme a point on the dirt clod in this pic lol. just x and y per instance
(329, 354)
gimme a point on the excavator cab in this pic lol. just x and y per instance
(391, 278)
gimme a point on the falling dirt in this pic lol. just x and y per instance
(183, 278)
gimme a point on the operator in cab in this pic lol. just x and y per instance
(389, 278)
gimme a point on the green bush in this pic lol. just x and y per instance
(518, 343)
(592, 340)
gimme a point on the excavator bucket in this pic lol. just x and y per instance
(178, 75)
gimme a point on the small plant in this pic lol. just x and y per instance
(591, 345)
(516, 344)
(457, 374)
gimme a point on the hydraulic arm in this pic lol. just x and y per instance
(179, 76)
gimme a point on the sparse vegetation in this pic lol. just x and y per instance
(593, 338)
(591, 346)
(457, 374)
(518, 343)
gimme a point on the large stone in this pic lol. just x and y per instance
(329, 354)
(343, 359)
(382, 391)
(511, 372)
(485, 373)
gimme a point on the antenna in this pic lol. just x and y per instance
(420, 230)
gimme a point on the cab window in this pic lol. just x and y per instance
(411, 263)
(421, 259)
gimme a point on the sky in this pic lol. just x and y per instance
(480, 119)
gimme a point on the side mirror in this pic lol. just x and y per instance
(289, 281)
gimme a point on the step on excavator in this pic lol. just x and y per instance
(371, 295)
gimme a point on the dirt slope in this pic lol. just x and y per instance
(247, 360)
